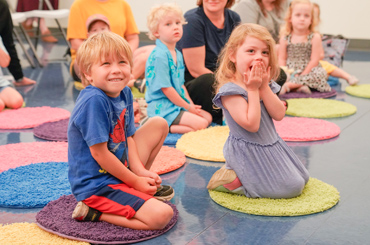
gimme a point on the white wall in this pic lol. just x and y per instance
(348, 18)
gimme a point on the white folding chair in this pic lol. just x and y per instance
(17, 19)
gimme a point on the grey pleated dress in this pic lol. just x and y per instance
(263, 162)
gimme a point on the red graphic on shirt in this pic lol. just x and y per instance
(119, 130)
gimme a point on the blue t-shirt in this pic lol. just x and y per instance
(97, 118)
(200, 31)
(162, 72)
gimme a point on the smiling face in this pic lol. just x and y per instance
(110, 74)
(169, 29)
(214, 5)
(301, 18)
(252, 51)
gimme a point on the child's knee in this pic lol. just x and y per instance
(164, 216)
(159, 123)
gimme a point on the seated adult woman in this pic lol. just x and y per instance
(208, 29)
(267, 13)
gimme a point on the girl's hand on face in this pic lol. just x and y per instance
(266, 75)
(255, 79)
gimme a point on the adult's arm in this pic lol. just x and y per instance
(133, 41)
(248, 11)
(195, 60)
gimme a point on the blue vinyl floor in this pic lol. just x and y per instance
(343, 162)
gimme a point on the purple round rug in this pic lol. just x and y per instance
(314, 94)
(56, 218)
(55, 131)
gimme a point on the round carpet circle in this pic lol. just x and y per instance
(362, 90)
(306, 129)
(313, 94)
(30, 117)
(33, 186)
(319, 108)
(172, 139)
(316, 197)
(206, 144)
(56, 217)
(167, 160)
(54, 131)
(15, 155)
(30, 233)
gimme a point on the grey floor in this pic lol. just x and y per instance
(343, 162)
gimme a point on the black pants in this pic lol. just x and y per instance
(6, 33)
(201, 91)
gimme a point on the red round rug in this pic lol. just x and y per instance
(305, 129)
(30, 117)
(20, 154)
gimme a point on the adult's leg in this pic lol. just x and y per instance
(201, 91)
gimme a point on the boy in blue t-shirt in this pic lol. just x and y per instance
(108, 160)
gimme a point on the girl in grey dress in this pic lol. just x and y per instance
(258, 161)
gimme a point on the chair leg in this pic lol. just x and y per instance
(31, 45)
(23, 48)
(63, 32)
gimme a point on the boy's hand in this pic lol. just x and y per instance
(195, 109)
(152, 175)
(255, 79)
(146, 185)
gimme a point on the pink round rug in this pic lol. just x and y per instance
(305, 129)
(167, 160)
(20, 154)
(30, 117)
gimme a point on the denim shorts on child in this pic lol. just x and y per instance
(119, 199)
(4, 84)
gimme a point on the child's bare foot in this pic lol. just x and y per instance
(304, 89)
(284, 89)
(353, 80)
(25, 82)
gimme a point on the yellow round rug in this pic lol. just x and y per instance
(30, 233)
(316, 197)
(319, 108)
(362, 90)
(206, 144)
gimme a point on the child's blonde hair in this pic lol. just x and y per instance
(318, 19)
(287, 28)
(227, 69)
(99, 46)
(157, 13)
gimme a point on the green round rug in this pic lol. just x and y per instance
(319, 108)
(316, 197)
(362, 90)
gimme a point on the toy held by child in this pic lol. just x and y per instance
(166, 94)
(108, 159)
(258, 162)
(300, 49)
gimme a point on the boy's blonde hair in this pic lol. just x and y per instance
(101, 46)
(157, 13)
(287, 28)
(227, 69)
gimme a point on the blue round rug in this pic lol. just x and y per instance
(34, 185)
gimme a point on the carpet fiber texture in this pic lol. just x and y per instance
(33, 186)
(314, 94)
(31, 234)
(167, 160)
(55, 131)
(31, 117)
(20, 154)
(316, 197)
(206, 144)
(319, 108)
(56, 217)
(306, 129)
(362, 90)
